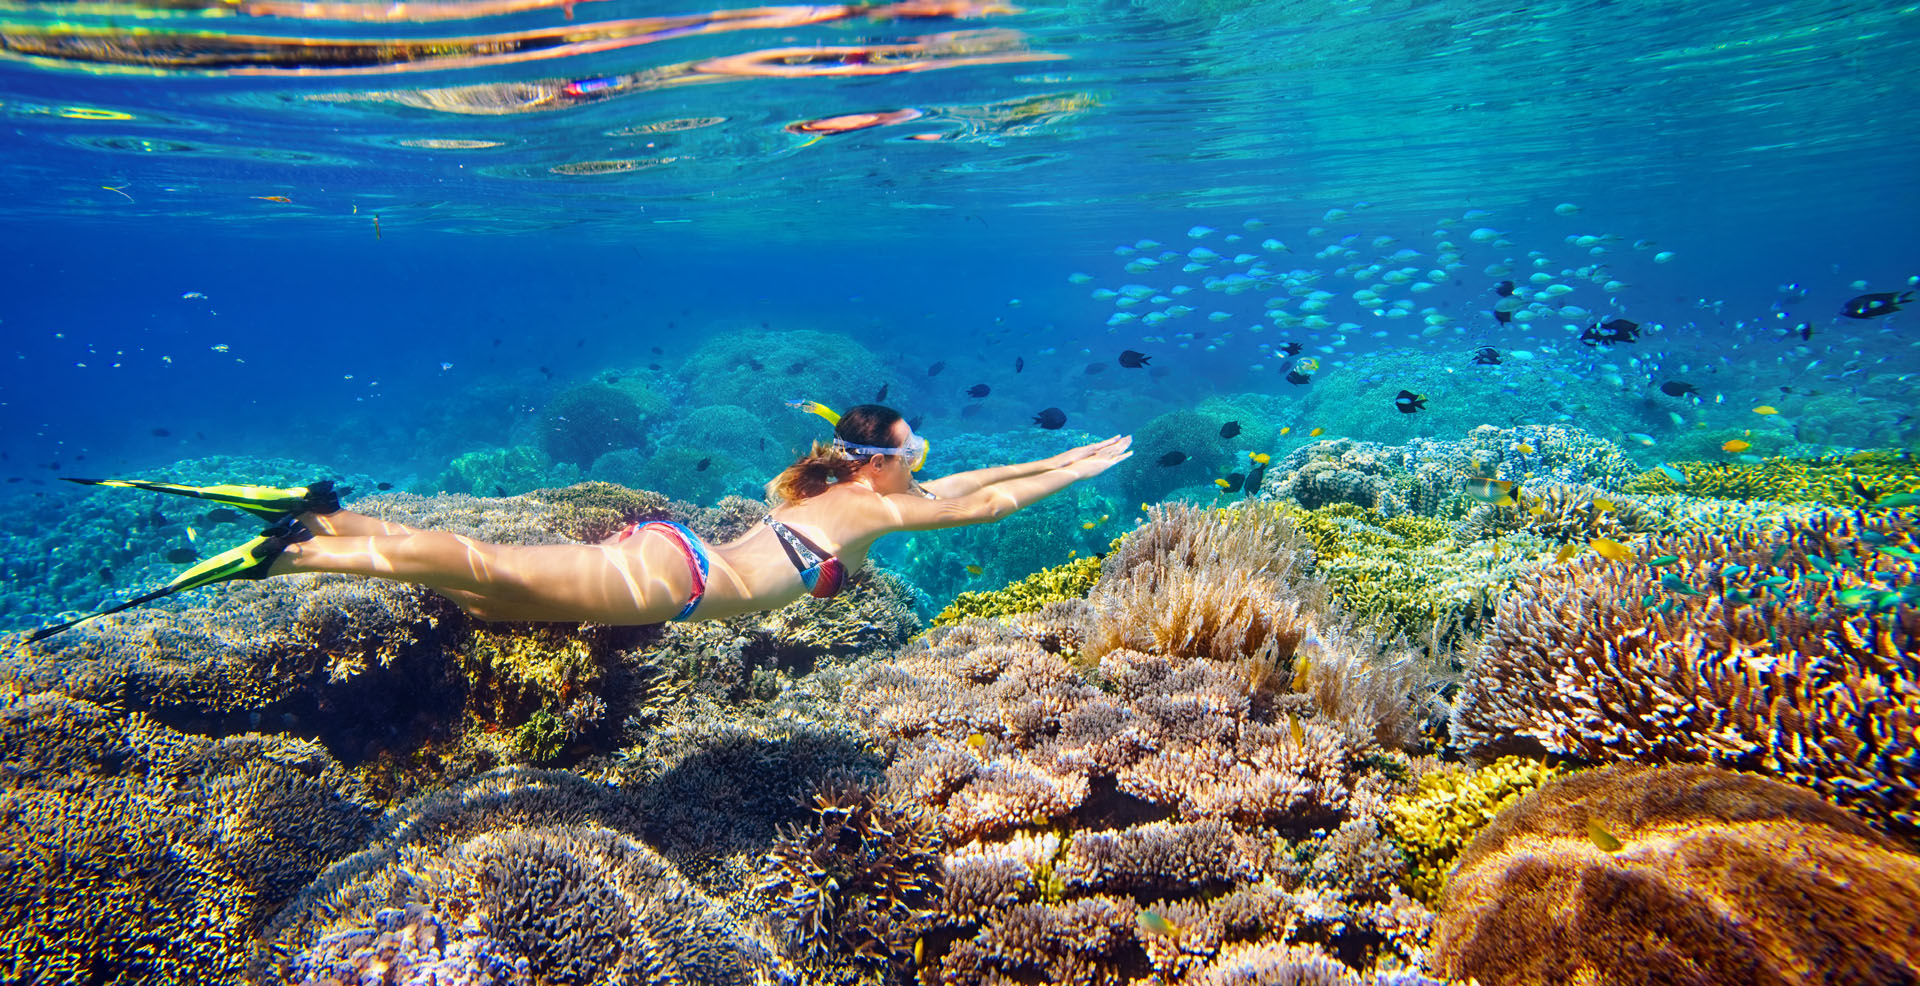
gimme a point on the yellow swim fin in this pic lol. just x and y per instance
(268, 503)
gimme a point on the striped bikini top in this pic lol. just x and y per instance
(821, 572)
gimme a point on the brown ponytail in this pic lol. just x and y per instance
(812, 474)
(824, 465)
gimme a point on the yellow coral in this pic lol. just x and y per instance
(1068, 581)
(515, 672)
(1433, 825)
(1830, 480)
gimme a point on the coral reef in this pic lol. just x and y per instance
(1195, 436)
(1787, 650)
(498, 471)
(1073, 800)
(1407, 578)
(862, 879)
(1433, 824)
(138, 854)
(1069, 581)
(759, 370)
(710, 782)
(590, 419)
(1223, 584)
(1339, 471)
(1637, 875)
(1833, 480)
(1562, 513)
(524, 876)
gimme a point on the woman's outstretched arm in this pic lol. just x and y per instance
(997, 500)
(962, 483)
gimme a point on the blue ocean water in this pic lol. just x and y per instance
(492, 246)
(378, 239)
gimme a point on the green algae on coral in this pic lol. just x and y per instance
(1830, 480)
(1434, 824)
(1068, 581)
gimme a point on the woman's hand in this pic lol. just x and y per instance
(1073, 455)
(1091, 460)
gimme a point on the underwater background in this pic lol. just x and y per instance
(1550, 361)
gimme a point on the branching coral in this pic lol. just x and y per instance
(516, 873)
(137, 854)
(862, 879)
(1562, 512)
(1433, 824)
(1790, 650)
(1069, 799)
(1406, 577)
(1637, 875)
(1834, 480)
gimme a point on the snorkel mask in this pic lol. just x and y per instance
(914, 453)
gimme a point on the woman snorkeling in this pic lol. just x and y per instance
(832, 505)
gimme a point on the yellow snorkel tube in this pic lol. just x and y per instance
(815, 407)
(832, 417)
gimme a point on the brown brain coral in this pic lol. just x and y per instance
(1789, 651)
(1717, 877)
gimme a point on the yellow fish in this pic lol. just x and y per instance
(1153, 924)
(1537, 509)
(1523, 448)
(1103, 518)
(973, 570)
(1766, 409)
(1088, 526)
(1316, 433)
(1601, 837)
(1736, 445)
(1604, 506)
(977, 740)
(271, 198)
(1566, 551)
(1298, 731)
(1287, 430)
(1075, 553)
(1611, 550)
(1223, 484)
(1260, 457)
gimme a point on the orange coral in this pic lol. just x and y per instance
(1717, 877)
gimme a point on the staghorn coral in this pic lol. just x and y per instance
(1432, 824)
(862, 879)
(1713, 877)
(1071, 580)
(522, 876)
(1562, 512)
(1787, 650)
(1833, 481)
(136, 854)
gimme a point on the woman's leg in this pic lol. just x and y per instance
(634, 584)
(346, 523)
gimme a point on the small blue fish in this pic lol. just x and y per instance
(1672, 473)
(1896, 551)
(1817, 577)
(1733, 571)
(1677, 585)
(1875, 537)
(1820, 563)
